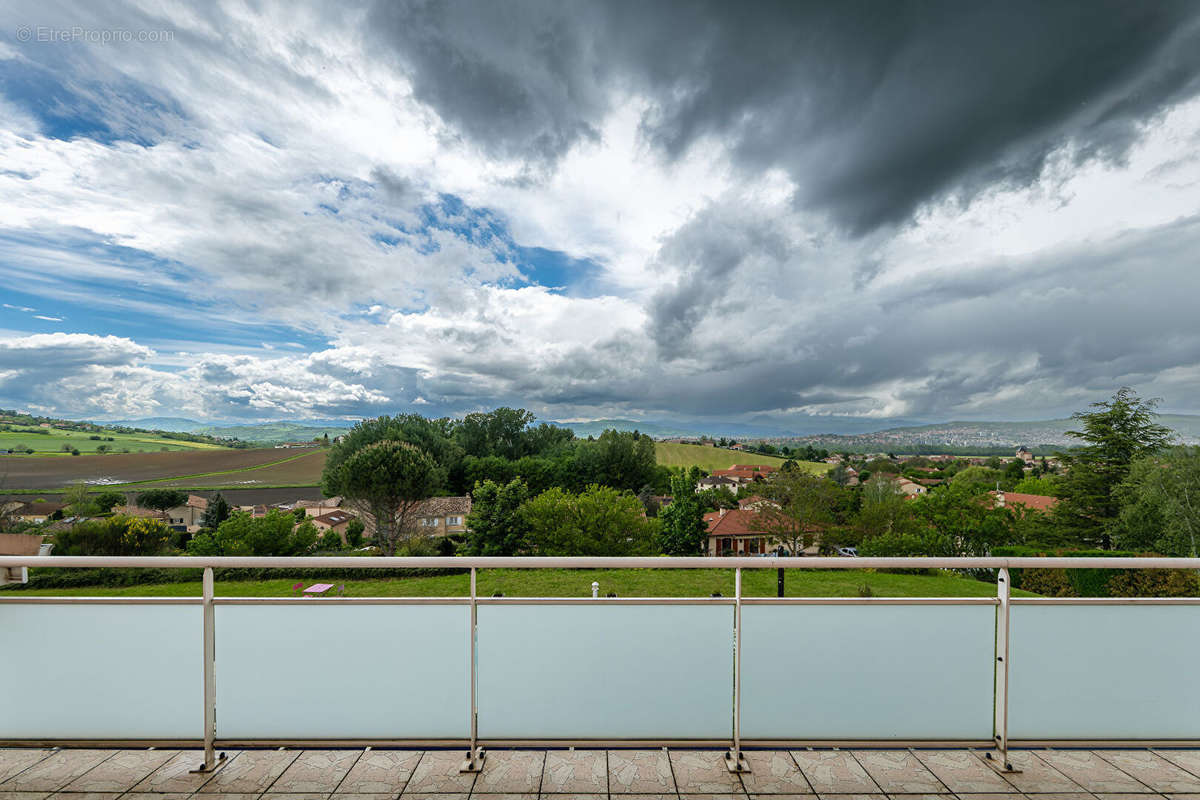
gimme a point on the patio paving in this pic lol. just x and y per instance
(592, 774)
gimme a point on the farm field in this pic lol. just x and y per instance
(207, 467)
(577, 583)
(710, 458)
(302, 469)
(52, 443)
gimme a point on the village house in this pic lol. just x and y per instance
(718, 482)
(910, 488)
(317, 508)
(335, 521)
(437, 516)
(442, 516)
(1026, 456)
(39, 512)
(188, 517)
(1034, 502)
(737, 532)
(743, 531)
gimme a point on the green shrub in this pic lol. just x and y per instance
(354, 532)
(1096, 582)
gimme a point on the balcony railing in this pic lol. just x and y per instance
(725, 671)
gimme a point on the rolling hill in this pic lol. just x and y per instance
(710, 458)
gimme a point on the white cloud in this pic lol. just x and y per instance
(281, 185)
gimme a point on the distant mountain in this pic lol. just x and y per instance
(179, 424)
(1038, 434)
(595, 427)
(274, 432)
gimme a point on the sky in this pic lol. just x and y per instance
(669, 210)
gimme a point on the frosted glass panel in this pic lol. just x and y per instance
(1100, 671)
(867, 671)
(611, 671)
(91, 671)
(352, 671)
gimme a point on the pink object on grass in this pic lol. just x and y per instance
(318, 588)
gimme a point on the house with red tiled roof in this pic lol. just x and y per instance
(1035, 502)
(745, 531)
(737, 532)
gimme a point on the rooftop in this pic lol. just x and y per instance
(370, 774)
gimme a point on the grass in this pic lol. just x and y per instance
(710, 458)
(577, 583)
(52, 442)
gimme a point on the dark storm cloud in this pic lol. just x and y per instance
(873, 108)
(1034, 331)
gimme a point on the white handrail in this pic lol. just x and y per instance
(591, 562)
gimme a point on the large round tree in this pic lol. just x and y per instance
(391, 479)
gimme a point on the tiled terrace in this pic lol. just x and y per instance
(99, 774)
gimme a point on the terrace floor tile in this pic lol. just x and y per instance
(703, 772)
(380, 772)
(315, 772)
(56, 770)
(176, 776)
(250, 772)
(1184, 759)
(120, 772)
(1091, 772)
(898, 771)
(580, 772)
(1036, 776)
(18, 759)
(24, 795)
(834, 772)
(962, 772)
(437, 773)
(511, 772)
(1151, 769)
(773, 772)
(639, 772)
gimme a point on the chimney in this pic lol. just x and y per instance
(723, 510)
(999, 498)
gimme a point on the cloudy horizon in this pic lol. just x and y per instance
(918, 211)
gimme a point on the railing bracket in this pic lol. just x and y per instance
(1003, 766)
(206, 769)
(474, 760)
(736, 762)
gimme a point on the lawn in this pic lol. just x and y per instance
(577, 583)
(710, 458)
(52, 442)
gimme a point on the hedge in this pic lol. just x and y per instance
(67, 578)
(1097, 582)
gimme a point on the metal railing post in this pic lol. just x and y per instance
(1000, 761)
(210, 682)
(733, 759)
(475, 756)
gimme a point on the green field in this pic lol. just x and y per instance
(710, 458)
(52, 443)
(577, 583)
